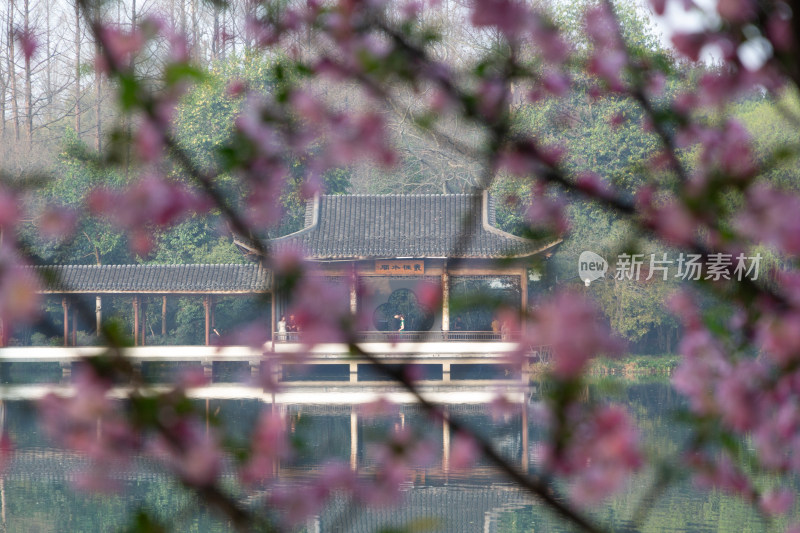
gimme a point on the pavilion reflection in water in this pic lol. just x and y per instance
(455, 500)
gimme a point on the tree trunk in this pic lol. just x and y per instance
(183, 17)
(12, 70)
(28, 87)
(215, 36)
(97, 82)
(77, 45)
(48, 74)
(223, 43)
(195, 51)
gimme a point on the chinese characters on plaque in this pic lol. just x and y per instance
(400, 267)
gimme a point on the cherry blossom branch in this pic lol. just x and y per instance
(533, 485)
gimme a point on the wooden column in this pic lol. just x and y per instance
(353, 291)
(164, 316)
(524, 424)
(353, 439)
(98, 315)
(206, 307)
(445, 299)
(272, 307)
(135, 320)
(213, 303)
(144, 322)
(2, 333)
(74, 329)
(523, 287)
(445, 442)
(65, 305)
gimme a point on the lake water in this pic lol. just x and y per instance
(36, 493)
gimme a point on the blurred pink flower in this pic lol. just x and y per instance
(571, 325)
(27, 42)
(121, 46)
(268, 444)
(508, 16)
(601, 453)
(738, 11)
(464, 452)
(771, 216)
(777, 501)
(721, 474)
(20, 300)
(57, 223)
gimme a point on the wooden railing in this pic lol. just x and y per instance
(415, 336)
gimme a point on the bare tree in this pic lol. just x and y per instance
(77, 44)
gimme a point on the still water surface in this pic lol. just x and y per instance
(36, 493)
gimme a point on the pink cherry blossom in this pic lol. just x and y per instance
(771, 216)
(57, 222)
(149, 141)
(268, 444)
(777, 502)
(599, 456)
(689, 44)
(659, 6)
(121, 46)
(28, 43)
(20, 300)
(297, 503)
(554, 324)
(703, 363)
(779, 337)
(6, 450)
(736, 10)
(508, 16)
(779, 32)
(720, 473)
(464, 452)
(547, 212)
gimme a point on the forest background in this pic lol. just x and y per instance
(58, 115)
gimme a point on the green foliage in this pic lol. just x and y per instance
(193, 242)
(775, 140)
(95, 241)
(204, 125)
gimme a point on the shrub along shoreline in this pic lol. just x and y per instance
(627, 366)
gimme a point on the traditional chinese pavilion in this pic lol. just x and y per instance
(394, 246)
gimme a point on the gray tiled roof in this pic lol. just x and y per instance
(205, 279)
(422, 225)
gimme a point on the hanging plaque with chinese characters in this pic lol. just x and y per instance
(400, 267)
